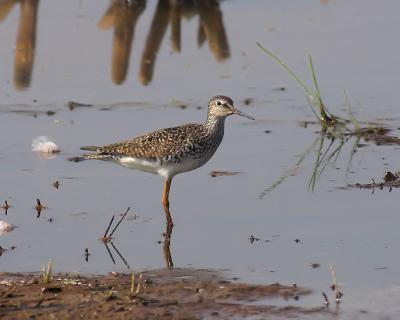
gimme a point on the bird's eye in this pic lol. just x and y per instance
(219, 103)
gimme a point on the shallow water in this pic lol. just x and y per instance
(353, 47)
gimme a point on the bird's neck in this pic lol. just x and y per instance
(215, 124)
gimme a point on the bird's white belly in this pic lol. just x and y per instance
(176, 168)
(140, 164)
(165, 168)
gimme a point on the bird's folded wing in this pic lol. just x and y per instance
(157, 144)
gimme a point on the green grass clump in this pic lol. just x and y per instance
(313, 95)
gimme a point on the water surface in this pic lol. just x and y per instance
(155, 65)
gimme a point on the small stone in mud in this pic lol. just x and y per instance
(50, 113)
(52, 290)
(315, 265)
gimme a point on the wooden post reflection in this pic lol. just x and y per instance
(213, 28)
(157, 31)
(201, 35)
(5, 8)
(166, 247)
(25, 44)
(123, 17)
(176, 27)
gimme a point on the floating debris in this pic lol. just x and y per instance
(390, 180)
(56, 184)
(325, 298)
(223, 173)
(39, 207)
(44, 145)
(86, 254)
(253, 238)
(279, 89)
(5, 207)
(248, 101)
(389, 176)
(72, 105)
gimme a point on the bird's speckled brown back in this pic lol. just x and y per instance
(162, 143)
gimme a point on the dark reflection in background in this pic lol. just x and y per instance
(123, 16)
(26, 39)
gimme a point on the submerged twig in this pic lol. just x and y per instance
(108, 228)
(120, 220)
(109, 252)
(107, 237)
(120, 255)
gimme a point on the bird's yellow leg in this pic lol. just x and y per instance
(165, 201)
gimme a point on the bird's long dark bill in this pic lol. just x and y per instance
(240, 113)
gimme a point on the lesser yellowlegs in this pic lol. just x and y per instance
(170, 151)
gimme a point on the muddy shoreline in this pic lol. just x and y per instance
(163, 294)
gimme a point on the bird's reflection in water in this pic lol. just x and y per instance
(26, 39)
(123, 16)
(166, 246)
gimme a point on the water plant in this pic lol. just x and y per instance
(336, 129)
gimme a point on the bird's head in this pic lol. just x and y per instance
(222, 106)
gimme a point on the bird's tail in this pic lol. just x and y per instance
(90, 156)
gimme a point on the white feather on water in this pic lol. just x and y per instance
(5, 227)
(45, 145)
